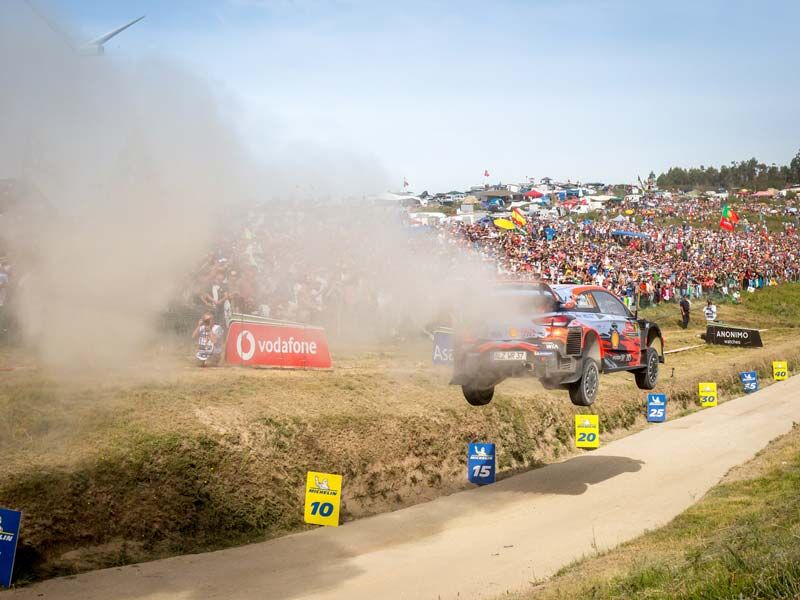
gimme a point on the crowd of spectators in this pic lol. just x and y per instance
(662, 260)
(266, 262)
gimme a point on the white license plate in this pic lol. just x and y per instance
(510, 355)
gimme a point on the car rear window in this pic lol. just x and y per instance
(523, 301)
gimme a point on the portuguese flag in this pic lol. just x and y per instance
(729, 218)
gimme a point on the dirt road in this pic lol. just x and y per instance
(480, 543)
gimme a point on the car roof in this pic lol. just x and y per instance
(566, 290)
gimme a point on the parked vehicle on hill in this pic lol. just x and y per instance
(565, 335)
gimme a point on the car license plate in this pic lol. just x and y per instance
(510, 355)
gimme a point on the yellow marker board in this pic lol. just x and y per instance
(780, 370)
(587, 431)
(323, 497)
(708, 394)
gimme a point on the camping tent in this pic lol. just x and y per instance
(635, 234)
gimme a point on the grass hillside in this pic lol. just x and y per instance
(156, 461)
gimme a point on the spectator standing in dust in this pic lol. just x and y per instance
(210, 339)
(215, 299)
(685, 307)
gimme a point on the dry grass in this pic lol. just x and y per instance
(215, 457)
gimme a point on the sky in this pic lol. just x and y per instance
(437, 92)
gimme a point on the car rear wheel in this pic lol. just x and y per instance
(477, 397)
(647, 377)
(584, 391)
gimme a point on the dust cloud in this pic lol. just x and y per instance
(132, 170)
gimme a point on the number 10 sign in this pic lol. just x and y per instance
(323, 497)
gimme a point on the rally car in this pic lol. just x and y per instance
(566, 335)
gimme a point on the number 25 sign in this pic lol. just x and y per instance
(323, 498)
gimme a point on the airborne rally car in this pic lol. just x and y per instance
(565, 335)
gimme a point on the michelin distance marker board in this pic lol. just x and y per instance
(323, 498)
(780, 370)
(587, 431)
(707, 391)
(9, 534)
(749, 381)
(481, 463)
(656, 408)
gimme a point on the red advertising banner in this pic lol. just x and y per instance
(277, 345)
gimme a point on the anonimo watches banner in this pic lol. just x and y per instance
(733, 336)
(277, 345)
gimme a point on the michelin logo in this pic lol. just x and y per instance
(481, 454)
(322, 487)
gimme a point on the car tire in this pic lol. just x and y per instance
(478, 397)
(647, 377)
(584, 391)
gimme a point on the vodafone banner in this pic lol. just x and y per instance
(276, 345)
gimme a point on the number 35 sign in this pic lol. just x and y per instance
(323, 497)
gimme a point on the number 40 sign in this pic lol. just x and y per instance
(780, 370)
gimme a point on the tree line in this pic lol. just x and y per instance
(750, 174)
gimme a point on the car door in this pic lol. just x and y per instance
(619, 332)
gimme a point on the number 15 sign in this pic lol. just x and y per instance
(481, 464)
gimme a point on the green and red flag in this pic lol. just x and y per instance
(730, 214)
(726, 224)
(729, 218)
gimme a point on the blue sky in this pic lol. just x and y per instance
(439, 91)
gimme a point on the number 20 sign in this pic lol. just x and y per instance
(323, 498)
(587, 431)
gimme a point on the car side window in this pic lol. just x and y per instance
(585, 302)
(610, 305)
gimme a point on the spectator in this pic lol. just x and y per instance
(685, 308)
(710, 311)
(210, 341)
